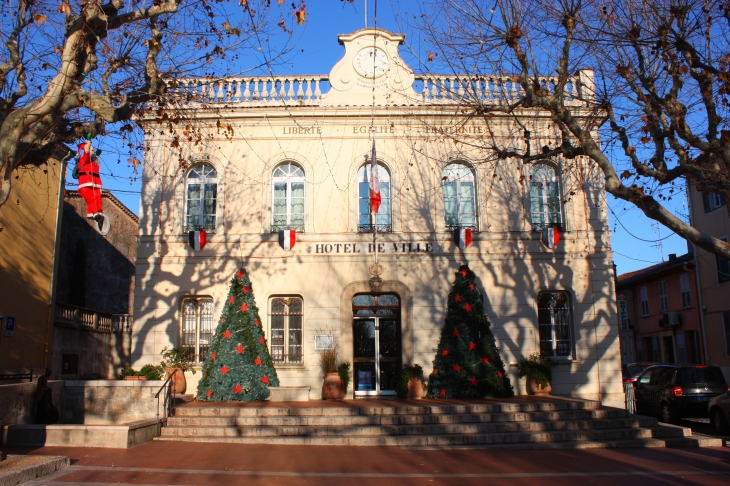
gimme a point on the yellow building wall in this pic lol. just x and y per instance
(26, 261)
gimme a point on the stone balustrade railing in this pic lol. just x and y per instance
(82, 318)
(430, 89)
(495, 90)
(300, 90)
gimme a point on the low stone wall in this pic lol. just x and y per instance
(109, 401)
(17, 402)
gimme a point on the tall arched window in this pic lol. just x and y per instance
(364, 220)
(288, 198)
(459, 197)
(545, 208)
(201, 198)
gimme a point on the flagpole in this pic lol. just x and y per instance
(375, 233)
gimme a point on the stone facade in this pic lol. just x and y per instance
(109, 401)
(293, 123)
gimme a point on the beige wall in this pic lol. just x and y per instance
(713, 292)
(512, 263)
(27, 240)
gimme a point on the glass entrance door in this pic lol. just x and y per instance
(376, 340)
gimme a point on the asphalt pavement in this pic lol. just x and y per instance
(187, 463)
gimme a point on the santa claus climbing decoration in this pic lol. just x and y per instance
(87, 172)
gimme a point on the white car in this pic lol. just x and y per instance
(719, 410)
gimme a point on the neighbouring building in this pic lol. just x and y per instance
(709, 214)
(293, 152)
(28, 227)
(659, 313)
(94, 290)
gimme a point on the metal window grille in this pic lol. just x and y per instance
(285, 341)
(554, 325)
(197, 327)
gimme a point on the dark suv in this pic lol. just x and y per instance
(674, 392)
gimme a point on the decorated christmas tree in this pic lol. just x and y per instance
(239, 367)
(467, 363)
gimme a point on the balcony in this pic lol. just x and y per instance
(81, 318)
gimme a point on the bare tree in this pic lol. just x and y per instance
(660, 104)
(70, 68)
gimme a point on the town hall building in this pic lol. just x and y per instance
(276, 171)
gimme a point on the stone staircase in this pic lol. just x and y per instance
(501, 424)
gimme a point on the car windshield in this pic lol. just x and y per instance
(711, 374)
(636, 369)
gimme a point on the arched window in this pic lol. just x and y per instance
(459, 197)
(201, 198)
(364, 220)
(197, 327)
(288, 198)
(545, 208)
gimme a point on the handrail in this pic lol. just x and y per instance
(168, 404)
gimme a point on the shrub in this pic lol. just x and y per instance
(344, 371)
(152, 372)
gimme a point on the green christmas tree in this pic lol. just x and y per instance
(467, 363)
(239, 367)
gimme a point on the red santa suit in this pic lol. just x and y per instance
(89, 180)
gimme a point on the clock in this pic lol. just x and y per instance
(371, 62)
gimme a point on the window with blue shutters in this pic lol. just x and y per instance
(459, 197)
(545, 207)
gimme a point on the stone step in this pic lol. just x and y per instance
(603, 414)
(413, 421)
(522, 431)
(614, 438)
(496, 408)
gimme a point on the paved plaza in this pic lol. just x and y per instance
(185, 463)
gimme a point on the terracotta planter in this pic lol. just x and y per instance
(333, 388)
(536, 389)
(135, 378)
(415, 389)
(179, 385)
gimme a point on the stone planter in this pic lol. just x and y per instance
(415, 389)
(135, 378)
(179, 384)
(536, 389)
(333, 388)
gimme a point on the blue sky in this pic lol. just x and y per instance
(637, 241)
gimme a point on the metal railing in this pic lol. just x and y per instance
(168, 399)
(19, 376)
(83, 318)
(299, 228)
(630, 397)
(368, 228)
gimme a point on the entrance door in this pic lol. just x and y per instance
(376, 339)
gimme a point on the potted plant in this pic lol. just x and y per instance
(333, 387)
(345, 374)
(128, 373)
(539, 373)
(411, 382)
(176, 361)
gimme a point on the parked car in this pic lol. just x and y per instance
(672, 392)
(631, 371)
(719, 410)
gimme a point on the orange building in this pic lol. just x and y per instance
(659, 313)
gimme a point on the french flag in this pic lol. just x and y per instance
(551, 237)
(374, 183)
(197, 239)
(462, 237)
(287, 239)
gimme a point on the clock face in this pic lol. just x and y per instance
(371, 62)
